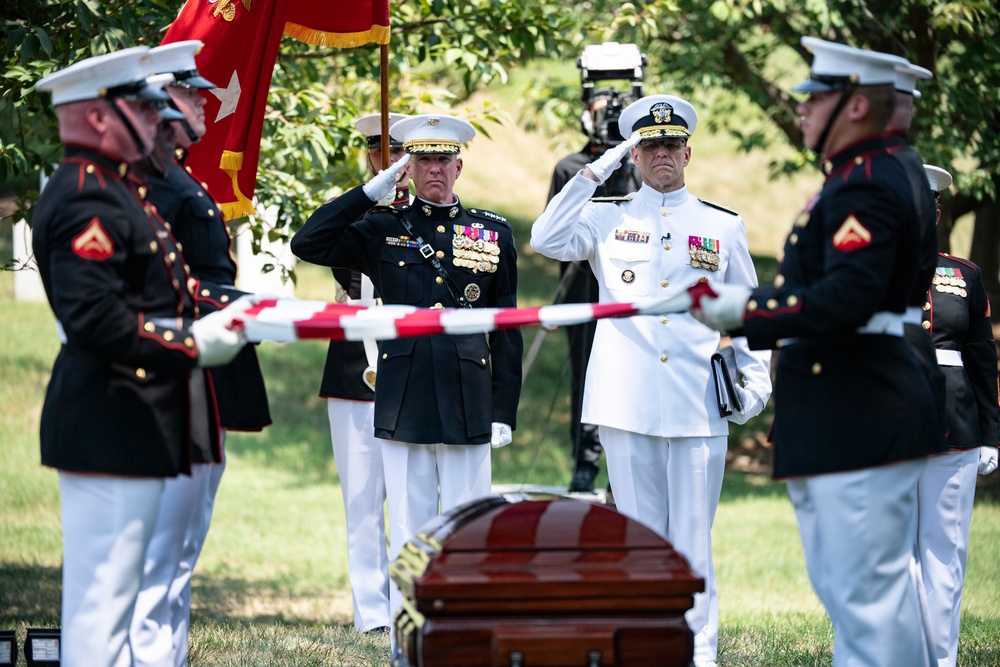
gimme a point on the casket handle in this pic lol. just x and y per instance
(516, 659)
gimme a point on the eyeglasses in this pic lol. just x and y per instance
(670, 145)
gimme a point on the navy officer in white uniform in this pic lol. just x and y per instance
(649, 384)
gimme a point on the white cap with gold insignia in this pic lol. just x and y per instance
(119, 74)
(836, 66)
(938, 178)
(657, 116)
(370, 126)
(432, 133)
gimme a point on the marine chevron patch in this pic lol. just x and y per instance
(93, 242)
(852, 235)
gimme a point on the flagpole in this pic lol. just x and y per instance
(384, 101)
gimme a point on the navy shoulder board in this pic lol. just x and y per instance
(719, 208)
(613, 200)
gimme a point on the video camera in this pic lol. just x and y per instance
(606, 62)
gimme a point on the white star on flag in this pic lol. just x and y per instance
(229, 96)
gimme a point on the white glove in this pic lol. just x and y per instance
(604, 166)
(217, 340)
(384, 184)
(987, 460)
(501, 435)
(752, 406)
(725, 312)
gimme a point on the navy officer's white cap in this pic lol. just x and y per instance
(835, 66)
(177, 58)
(370, 125)
(907, 76)
(432, 133)
(938, 178)
(656, 116)
(118, 74)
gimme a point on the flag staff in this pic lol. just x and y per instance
(384, 101)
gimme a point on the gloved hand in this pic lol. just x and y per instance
(752, 405)
(217, 340)
(604, 166)
(501, 435)
(724, 312)
(987, 460)
(384, 184)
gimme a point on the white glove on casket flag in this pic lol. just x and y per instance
(725, 312)
(217, 340)
(501, 435)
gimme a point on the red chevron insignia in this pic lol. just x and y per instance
(93, 242)
(852, 235)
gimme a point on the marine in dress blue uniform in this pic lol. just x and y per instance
(118, 417)
(957, 315)
(440, 401)
(649, 386)
(159, 631)
(855, 416)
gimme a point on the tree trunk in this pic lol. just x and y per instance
(985, 249)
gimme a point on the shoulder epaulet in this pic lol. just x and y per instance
(488, 215)
(720, 208)
(614, 200)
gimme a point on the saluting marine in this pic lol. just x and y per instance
(440, 401)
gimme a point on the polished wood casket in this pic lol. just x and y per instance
(542, 583)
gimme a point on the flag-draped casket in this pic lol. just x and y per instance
(542, 583)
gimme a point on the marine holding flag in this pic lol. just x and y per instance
(440, 401)
(855, 418)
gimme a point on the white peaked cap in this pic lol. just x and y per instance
(939, 179)
(119, 73)
(432, 133)
(835, 66)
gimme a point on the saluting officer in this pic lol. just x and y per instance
(440, 401)
(348, 384)
(119, 415)
(159, 632)
(957, 314)
(855, 418)
(649, 384)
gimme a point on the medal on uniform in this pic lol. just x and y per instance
(475, 248)
(472, 292)
(628, 276)
(704, 253)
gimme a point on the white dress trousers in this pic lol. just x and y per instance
(858, 531)
(945, 495)
(358, 454)
(107, 523)
(423, 481)
(672, 485)
(159, 631)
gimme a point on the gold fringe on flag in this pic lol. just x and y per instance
(231, 163)
(377, 34)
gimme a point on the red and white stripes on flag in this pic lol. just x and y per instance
(284, 320)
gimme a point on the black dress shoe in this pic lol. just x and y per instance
(583, 478)
(381, 631)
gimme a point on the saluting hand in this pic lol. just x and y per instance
(602, 168)
(384, 184)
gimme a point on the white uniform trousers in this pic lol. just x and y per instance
(858, 531)
(106, 523)
(159, 631)
(945, 495)
(358, 454)
(672, 485)
(417, 477)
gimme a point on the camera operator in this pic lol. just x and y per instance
(599, 121)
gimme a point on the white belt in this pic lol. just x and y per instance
(891, 324)
(948, 357)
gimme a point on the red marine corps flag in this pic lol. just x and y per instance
(241, 40)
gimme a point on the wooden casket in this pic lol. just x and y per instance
(541, 583)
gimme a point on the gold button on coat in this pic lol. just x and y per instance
(663, 357)
(140, 373)
(926, 325)
(817, 368)
(440, 229)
